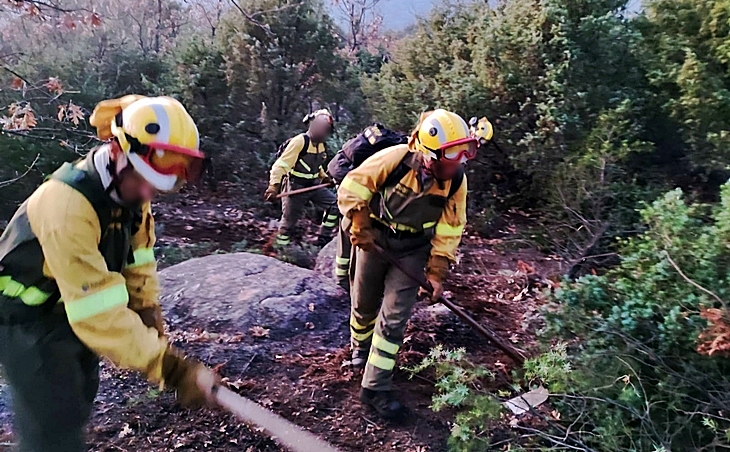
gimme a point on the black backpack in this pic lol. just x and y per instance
(283, 146)
(373, 139)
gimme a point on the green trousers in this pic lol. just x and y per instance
(53, 378)
(382, 298)
(292, 207)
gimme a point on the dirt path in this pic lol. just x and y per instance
(303, 380)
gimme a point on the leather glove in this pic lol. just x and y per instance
(436, 272)
(271, 192)
(362, 233)
(326, 180)
(196, 385)
(152, 318)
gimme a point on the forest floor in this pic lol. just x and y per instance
(496, 280)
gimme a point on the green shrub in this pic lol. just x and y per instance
(458, 385)
(638, 382)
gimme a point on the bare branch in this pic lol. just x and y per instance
(686, 278)
(5, 183)
(251, 18)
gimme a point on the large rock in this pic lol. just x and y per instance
(326, 260)
(233, 292)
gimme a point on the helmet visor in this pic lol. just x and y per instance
(459, 151)
(186, 164)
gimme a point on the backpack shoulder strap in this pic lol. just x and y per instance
(400, 170)
(84, 183)
(305, 148)
(456, 181)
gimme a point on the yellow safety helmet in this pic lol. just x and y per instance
(481, 129)
(445, 136)
(157, 135)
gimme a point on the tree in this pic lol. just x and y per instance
(362, 19)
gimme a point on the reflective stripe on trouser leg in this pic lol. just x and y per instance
(343, 256)
(382, 354)
(326, 200)
(361, 334)
(398, 299)
(329, 224)
(291, 211)
(366, 293)
(342, 266)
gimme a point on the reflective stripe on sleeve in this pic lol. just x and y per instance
(357, 189)
(342, 260)
(448, 230)
(97, 303)
(142, 256)
(282, 164)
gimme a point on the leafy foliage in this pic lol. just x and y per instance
(458, 385)
(638, 380)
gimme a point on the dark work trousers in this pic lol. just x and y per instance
(292, 206)
(53, 377)
(343, 257)
(382, 298)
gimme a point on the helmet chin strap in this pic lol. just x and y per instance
(117, 166)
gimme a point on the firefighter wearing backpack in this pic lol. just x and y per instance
(372, 139)
(299, 165)
(78, 277)
(418, 217)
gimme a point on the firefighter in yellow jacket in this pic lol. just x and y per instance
(300, 165)
(78, 277)
(418, 217)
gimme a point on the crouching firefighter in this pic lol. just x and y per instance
(299, 164)
(411, 200)
(78, 277)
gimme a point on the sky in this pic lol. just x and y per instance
(398, 14)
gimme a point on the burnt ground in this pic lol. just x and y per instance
(302, 379)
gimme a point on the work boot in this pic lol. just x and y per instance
(359, 359)
(384, 403)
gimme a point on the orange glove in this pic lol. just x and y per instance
(436, 272)
(196, 385)
(362, 233)
(271, 192)
(152, 318)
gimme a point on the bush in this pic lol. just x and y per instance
(458, 385)
(638, 382)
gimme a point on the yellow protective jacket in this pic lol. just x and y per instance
(417, 203)
(54, 250)
(299, 163)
